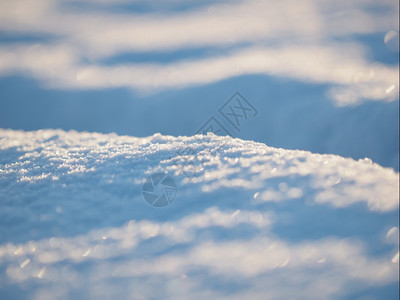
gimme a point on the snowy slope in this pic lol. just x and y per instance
(248, 222)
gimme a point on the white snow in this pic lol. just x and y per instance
(314, 48)
(253, 222)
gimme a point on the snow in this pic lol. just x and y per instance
(248, 221)
(307, 47)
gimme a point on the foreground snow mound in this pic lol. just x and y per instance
(246, 221)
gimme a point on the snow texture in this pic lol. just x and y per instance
(252, 222)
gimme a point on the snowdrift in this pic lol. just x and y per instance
(246, 221)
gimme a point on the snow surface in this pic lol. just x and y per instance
(253, 222)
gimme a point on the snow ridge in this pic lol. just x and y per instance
(73, 222)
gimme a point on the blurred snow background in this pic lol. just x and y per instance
(323, 76)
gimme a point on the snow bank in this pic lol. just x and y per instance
(248, 220)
